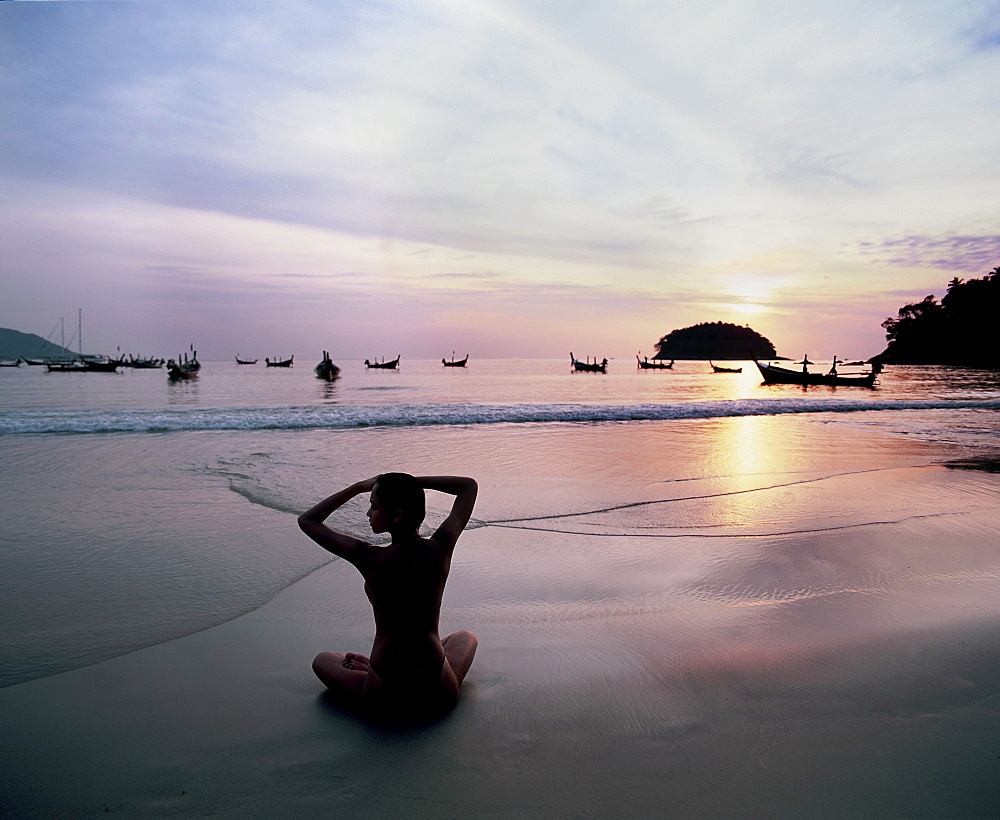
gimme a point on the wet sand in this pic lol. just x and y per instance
(632, 664)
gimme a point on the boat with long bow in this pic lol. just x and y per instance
(184, 367)
(588, 366)
(456, 362)
(645, 364)
(773, 374)
(326, 369)
(89, 364)
(382, 365)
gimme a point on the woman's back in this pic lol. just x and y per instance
(411, 672)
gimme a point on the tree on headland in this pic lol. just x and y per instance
(961, 329)
(714, 340)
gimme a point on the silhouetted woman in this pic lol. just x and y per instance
(412, 674)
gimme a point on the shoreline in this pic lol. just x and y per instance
(617, 676)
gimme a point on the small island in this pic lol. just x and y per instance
(959, 330)
(715, 340)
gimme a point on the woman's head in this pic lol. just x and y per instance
(401, 498)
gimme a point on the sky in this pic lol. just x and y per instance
(505, 178)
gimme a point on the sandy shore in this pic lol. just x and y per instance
(682, 678)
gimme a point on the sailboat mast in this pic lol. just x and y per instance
(79, 327)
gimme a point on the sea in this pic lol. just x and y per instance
(137, 510)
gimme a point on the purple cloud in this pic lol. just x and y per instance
(969, 254)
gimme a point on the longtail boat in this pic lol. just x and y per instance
(717, 369)
(244, 361)
(143, 363)
(326, 369)
(588, 366)
(455, 362)
(773, 374)
(645, 364)
(382, 365)
(184, 367)
(279, 362)
(88, 365)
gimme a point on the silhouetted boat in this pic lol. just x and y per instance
(645, 364)
(279, 362)
(87, 365)
(140, 363)
(589, 366)
(772, 374)
(75, 366)
(717, 369)
(245, 361)
(326, 369)
(184, 367)
(456, 362)
(383, 365)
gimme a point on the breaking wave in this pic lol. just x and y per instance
(35, 422)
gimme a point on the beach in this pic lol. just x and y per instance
(751, 614)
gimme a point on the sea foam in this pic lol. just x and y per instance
(37, 422)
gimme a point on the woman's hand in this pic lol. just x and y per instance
(367, 485)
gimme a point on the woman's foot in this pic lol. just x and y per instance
(358, 662)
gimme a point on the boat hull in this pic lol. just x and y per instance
(177, 373)
(382, 365)
(645, 364)
(781, 375)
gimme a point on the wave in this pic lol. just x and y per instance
(35, 422)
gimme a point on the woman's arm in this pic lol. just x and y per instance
(311, 523)
(465, 491)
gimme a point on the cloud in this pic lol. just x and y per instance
(639, 151)
(971, 254)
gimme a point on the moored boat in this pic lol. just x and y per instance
(382, 365)
(74, 366)
(184, 367)
(85, 365)
(245, 361)
(142, 363)
(588, 366)
(279, 362)
(455, 362)
(645, 364)
(326, 369)
(717, 369)
(773, 374)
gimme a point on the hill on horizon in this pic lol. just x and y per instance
(17, 345)
(715, 340)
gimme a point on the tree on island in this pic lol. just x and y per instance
(961, 329)
(714, 340)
